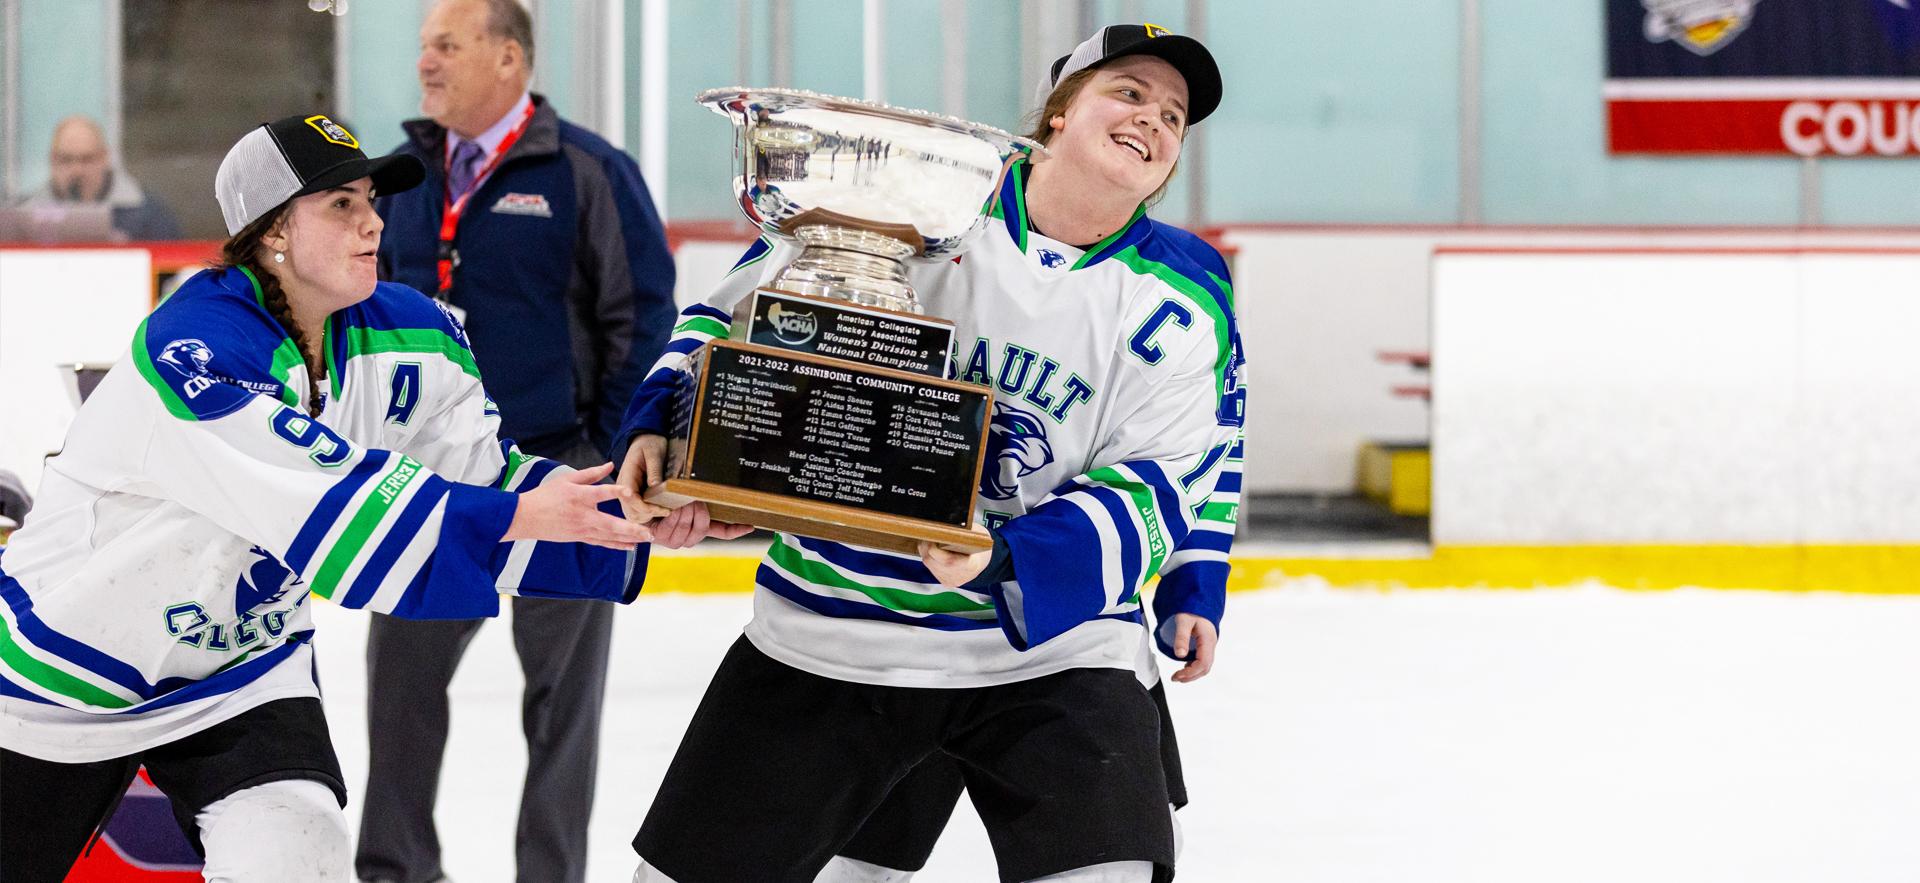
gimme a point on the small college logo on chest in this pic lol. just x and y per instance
(533, 205)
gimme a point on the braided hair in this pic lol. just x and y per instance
(243, 250)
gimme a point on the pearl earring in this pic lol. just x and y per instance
(279, 257)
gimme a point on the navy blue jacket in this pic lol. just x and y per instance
(563, 272)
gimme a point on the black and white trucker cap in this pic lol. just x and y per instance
(1187, 56)
(296, 156)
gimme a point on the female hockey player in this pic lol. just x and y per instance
(1110, 341)
(284, 427)
(899, 835)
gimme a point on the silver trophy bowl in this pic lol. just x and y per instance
(861, 186)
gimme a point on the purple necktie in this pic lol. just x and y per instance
(461, 168)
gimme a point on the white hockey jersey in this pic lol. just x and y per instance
(1113, 454)
(161, 582)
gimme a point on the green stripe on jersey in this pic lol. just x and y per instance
(1142, 498)
(286, 355)
(1225, 287)
(703, 325)
(143, 360)
(50, 678)
(515, 462)
(1198, 294)
(1100, 246)
(368, 341)
(790, 559)
(373, 510)
(1225, 513)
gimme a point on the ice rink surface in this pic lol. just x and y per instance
(1462, 736)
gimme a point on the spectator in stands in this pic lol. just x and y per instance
(81, 174)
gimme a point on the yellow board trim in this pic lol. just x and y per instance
(1860, 569)
(1870, 569)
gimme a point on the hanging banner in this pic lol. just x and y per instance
(1793, 77)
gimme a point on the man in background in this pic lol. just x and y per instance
(542, 239)
(79, 174)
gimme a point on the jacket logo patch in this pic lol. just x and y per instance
(1702, 26)
(532, 205)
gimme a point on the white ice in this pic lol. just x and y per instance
(1463, 736)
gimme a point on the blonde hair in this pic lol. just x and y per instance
(1040, 127)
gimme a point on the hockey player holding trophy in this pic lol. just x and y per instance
(1108, 344)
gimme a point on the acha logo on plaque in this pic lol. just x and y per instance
(792, 327)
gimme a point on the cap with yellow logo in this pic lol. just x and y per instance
(295, 156)
(1187, 56)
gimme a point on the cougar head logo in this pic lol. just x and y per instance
(265, 582)
(190, 357)
(1016, 446)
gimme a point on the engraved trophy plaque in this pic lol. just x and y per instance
(827, 413)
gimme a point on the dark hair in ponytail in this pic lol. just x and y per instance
(243, 249)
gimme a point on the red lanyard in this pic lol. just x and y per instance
(452, 209)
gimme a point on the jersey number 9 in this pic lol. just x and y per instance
(326, 447)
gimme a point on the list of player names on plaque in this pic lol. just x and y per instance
(839, 436)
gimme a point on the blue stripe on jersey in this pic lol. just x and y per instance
(1228, 483)
(1189, 256)
(1137, 616)
(171, 691)
(1205, 465)
(1136, 230)
(684, 346)
(324, 515)
(715, 313)
(878, 564)
(1055, 546)
(1131, 550)
(754, 252)
(230, 680)
(76, 652)
(12, 690)
(1209, 541)
(399, 535)
(769, 579)
(536, 472)
(1012, 210)
(1172, 515)
(396, 307)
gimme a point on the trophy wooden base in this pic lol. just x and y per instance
(808, 518)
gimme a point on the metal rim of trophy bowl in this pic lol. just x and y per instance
(787, 167)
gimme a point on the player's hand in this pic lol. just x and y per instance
(640, 469)
(690, 524)
(567, 511)
(955, 568)
(1194, 639)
